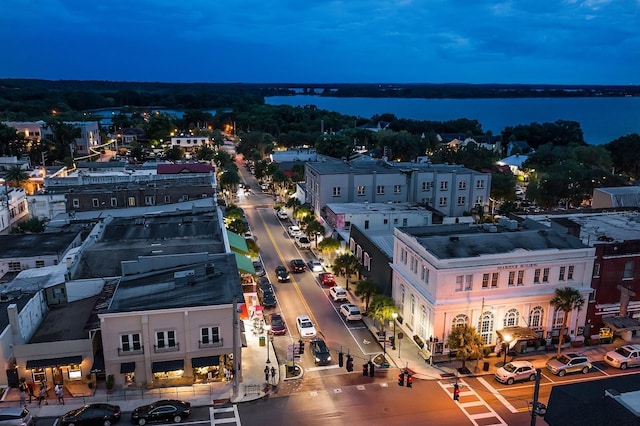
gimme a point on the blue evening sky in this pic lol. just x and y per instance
(316, 41)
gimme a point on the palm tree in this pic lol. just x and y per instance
(467, 342)
(366, 289)
(566, 299)
(293, 203)
(16, 176)
(346, 264)
(382, 309)
(313, 229)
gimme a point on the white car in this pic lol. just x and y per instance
(303, 242)
(282, 215)
(305, 326)
(338, 294)
(315, 266)
(624, 357)
(350, 312)
(516, 371)
(294, 231)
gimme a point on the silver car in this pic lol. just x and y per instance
(569, 363)
(16, 416)
(516, 371)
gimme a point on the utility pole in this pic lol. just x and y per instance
(537, 409)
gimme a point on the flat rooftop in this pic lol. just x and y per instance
(33, 245)
(65, 322)
(352, 208)
(214, 282)
(329, 166)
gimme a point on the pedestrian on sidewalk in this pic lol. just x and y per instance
(42, 396)
(60, 394)
(31, 390)
(23, 398)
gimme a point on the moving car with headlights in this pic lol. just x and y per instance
(305, 326)
(568, 363)
(165, 410)
(16, 416)
(278, 326)
(97, 414)
(303, 242)
(282, 273)
(350, 312)
(338, 294)
(624, 357)
(297, 265)
(321, 354)
(327, 279)
(516, 371)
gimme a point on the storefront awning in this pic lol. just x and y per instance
(237, 243)
(163, 366)
(244, 263)
(98, 362)
(127, 367)
(620, 324)
(53, 362)
(205, 361)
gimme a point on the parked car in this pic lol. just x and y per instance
(297, 265)
(327, 279)
(268, 299)
(294, 231)
(96, 414)
(320, 352)
(16, 416)
(303, 242)
(248, 235)
(338, 294)
(282, 273)
(259, 268)
(166, 410)
(305, 326)
(265, 284)
(278, 326)
(516, 371)
(282, 215)
(568, 363)
(315, 266)
(350, 312)
(624, 357)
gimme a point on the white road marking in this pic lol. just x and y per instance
(498, 396)
(324, 367)
(467, 392)
(235, 419)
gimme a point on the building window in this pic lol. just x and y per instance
(422, 330)
(462, 184)
(596, 270)
(444, 185)
(403, 256)
(166, 339)
(459, 282)
(395, 220)
(149, 200)
(336, 191)
(210, 336)
(485, 280)
(628, 271)
(39, 263)
(402, 299)
(462, 201)
(380, 190)
(443, 201)
(95, 202)
(167, 199)
(366, 224)
(426, 186)
(479, 200)
(361, 190)
(536, 276)
(520, 278)
(460, 320)
(385, 221)
(479, 184)
(132, 201)
(562, 272)
(545, 275)
(114, 202)
(570, 272)
(75, 372)
(511, 318)
(367, 261)
(536, 317)
(39, 375)
(412, 312)
(130, 342)
(494, 280)
(468, 281)
(397, 189)
(558, 318)
(486, 327)
(76, 203)
(14, 266)
(464, 282)
(512, 278)
(424, 276)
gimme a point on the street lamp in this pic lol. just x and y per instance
(506, 340)
(393, 342)
(267, 327)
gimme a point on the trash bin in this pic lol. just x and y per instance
(485, 366)
(262, 341)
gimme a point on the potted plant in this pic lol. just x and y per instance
(110, 383)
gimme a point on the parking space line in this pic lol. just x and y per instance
(498, 396)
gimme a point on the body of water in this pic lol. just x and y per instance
(601, 119)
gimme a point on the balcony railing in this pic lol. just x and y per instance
(210, 344)
(160, 349)
(131, 351)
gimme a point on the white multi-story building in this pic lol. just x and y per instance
(450, 189)
(488, 277)
(88, 142)
(376, 216)
(190, 143)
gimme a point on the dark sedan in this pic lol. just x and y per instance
(282, 273)
(92, 415)
(321, 354)
(166, 410)
(298, 265)
(278, 327)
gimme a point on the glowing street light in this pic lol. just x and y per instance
(507, 339)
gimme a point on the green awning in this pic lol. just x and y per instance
(244, 263)
(237, 243)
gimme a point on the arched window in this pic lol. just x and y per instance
(402, 300)
(511, 318)
(422, 330)
(486, 327)
(460, 320)
(536, 317)
(412, 313)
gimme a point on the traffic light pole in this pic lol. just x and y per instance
(536, 390)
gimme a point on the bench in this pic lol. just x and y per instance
(425, 354)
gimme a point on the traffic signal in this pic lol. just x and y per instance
(349, 363)
(456, 392)
(401, 379)
(301, 348)
(371, 370)
(340, 359)
(409, 380)
(365, 370)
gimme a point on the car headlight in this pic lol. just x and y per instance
(329, 358)
(317, 359)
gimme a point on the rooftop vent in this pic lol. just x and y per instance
(454, 238)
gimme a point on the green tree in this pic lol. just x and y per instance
(61, 141)
(366, 289)
(159, 126)
(206, 153)
(382, 309)
(30, 226)
(625, 155)
(175, 153)
(16, 176)
(8, 138)
(467, 343)
(329, 246)
(313, 229)
(566, 299)
(238, 226)
(294, 204)
(346, 264)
